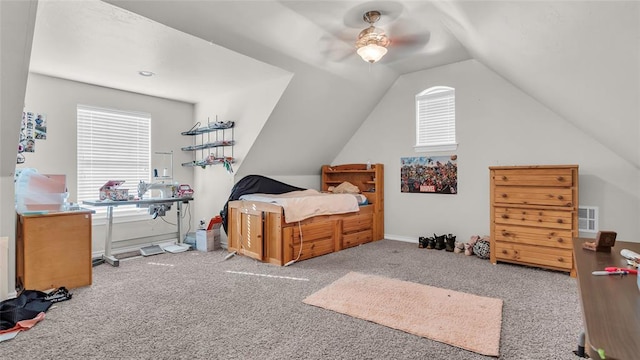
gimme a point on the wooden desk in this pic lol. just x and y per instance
(610, 304)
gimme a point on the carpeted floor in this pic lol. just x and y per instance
(195, 305)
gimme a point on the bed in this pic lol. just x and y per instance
(262, 228)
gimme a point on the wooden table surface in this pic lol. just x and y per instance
(610, 304)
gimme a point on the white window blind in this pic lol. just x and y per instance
(112, 145)
(436, 119)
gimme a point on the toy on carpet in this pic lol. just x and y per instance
(482, 247)
(468, 247)
(459, 247)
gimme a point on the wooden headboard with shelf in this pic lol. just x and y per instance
(370, 181)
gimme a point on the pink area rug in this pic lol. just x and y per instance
(464, 320)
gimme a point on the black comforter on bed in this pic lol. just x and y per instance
(255, 184)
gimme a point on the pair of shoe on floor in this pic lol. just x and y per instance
(438, 242)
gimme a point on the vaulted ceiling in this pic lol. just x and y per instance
(579, 58)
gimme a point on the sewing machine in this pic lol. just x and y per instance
(167, 190)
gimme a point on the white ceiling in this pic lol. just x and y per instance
(579, 58)
(94, 42)
(97, 43)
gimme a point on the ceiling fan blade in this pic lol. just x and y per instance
(407, 38)
(335, 49)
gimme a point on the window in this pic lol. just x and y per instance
(112, 145)
(436, 119)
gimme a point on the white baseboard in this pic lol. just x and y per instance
(401, 238)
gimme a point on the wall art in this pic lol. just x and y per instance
(429, 174)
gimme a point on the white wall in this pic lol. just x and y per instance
(17, 22)
(496, 124)
(58, 98)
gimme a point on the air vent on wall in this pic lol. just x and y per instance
(588, 219)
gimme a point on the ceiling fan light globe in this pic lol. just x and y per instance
(372, 53)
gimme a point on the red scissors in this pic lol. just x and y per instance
(627, 270)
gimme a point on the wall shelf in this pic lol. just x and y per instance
(215, 137)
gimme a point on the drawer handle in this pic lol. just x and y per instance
(505, 216)
(560, 240)
(504, 233)
(504, 195)
(560, 197)
(560, 221)
(560, 178)
(504, 178)
(560, 259)
(504, 252)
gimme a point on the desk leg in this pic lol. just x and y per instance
(107, 241)
(179, 221)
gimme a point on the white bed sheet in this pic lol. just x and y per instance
(300, 205)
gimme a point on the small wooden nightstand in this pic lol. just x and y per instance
(53, 250)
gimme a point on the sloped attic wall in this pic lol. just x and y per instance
(249, 109)
(325, 101)
(17, 23)
(496, 124)
(579, 58)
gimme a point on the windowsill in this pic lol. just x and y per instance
(432, 148)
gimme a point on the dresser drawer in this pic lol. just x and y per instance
(535, 255)
(562, 177)
(522, 195)
(534, 236)
(555, 219)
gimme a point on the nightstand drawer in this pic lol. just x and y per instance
(534, 236)
(562, 177)
(554, 219)
(562, 197)
(537, 255)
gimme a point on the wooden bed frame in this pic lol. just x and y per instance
(258, 230)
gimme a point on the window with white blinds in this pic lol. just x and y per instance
(112, 145)
(436, 119)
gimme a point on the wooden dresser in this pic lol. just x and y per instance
(53, 250)
(534, 215)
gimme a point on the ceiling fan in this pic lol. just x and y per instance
(403, 35)
(372, 42)
(406, 37)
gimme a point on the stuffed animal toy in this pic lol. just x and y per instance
(468, 247)
(459, 248)
(481, 248)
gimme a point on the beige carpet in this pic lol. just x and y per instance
(464, 320)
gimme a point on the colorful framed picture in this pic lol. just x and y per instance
(429, 174)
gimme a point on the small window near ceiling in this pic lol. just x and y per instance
(112, 145)
(436, 119)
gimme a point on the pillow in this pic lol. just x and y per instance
(345, 188)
